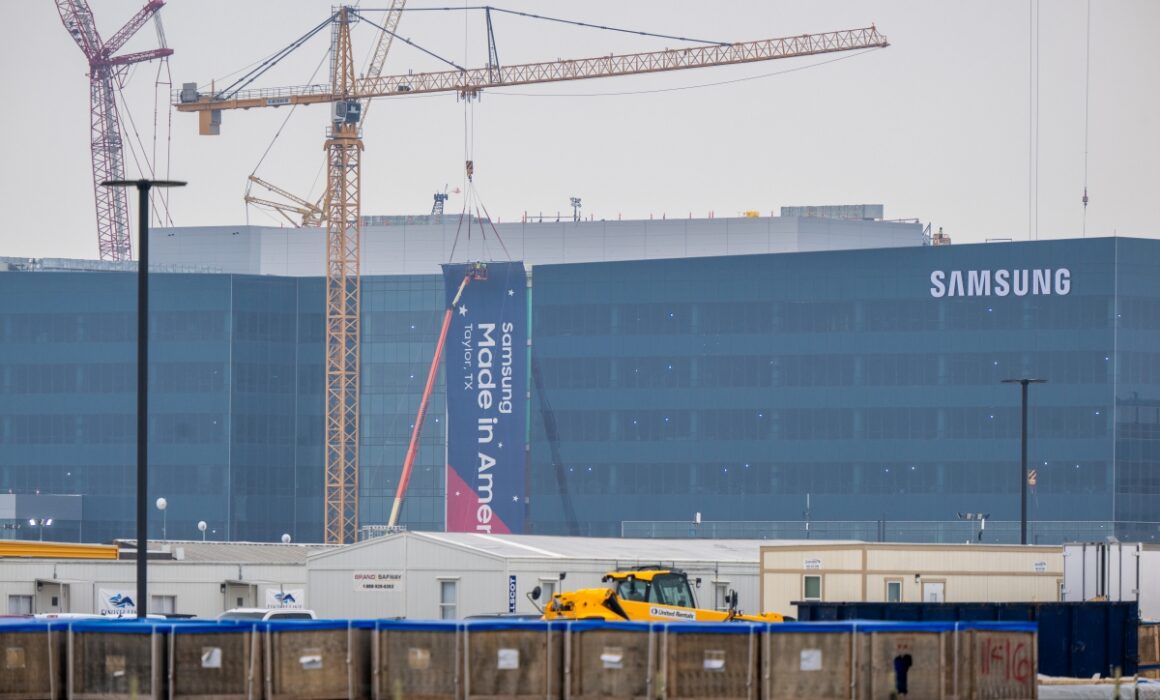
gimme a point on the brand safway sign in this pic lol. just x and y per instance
(486, 370)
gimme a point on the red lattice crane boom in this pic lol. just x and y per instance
(344, 146)
(105, 72)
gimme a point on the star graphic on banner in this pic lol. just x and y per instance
(463, 309)
(516, 499)
(511, 292)
(501, 445)
(456, 493)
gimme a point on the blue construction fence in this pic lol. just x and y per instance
(462, 660)
(1076, 639)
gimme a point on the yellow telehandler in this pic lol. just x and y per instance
(647, 593)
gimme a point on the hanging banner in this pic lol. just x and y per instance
(294, 598)
(116, 603)
(486, 373)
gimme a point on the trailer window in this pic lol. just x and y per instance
(893, 590)
(812, 587)
(448, 599)
(19, 605)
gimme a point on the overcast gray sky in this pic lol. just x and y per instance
(936, 127)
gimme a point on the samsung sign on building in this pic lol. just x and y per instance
(1000, 283)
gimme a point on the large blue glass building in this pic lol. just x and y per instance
(236, 397)
(862, 387)
(832, 394)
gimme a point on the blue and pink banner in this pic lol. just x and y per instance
(486, 363)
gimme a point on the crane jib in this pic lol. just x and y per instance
(474, 79)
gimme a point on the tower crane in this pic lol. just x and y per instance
(344, 148)
(105, 70)
(308, 213)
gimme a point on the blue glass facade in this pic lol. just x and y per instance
(867, 382)
(741, 387)
(236, 397)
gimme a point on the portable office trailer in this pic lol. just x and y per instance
(194, 578)
(427, 575)
(879, 572)
(1116, 571)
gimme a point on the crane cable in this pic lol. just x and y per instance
(472, 201)
(131, 130)
(274, 139)
(577, 23)
(468, 170)
(1086, 112)
(1031, 171)
(164, 215)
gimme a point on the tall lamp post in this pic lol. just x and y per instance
(980, 518)
(42, 523)
(162, 504)
(143, 186)
(1023, 462)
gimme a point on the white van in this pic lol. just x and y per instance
(267, 614)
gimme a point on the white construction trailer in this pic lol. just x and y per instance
(1116, 571)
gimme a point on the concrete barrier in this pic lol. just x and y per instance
(611, 660)
(513, 660)
(1149, 649)
(488, 660)
(711, 660)
(417, 660)
(808, 660)
(219, 660)
(32, 660)
(318, 659)
(115, 660)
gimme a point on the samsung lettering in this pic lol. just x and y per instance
(1000, 283)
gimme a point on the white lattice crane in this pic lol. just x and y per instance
(344, 147)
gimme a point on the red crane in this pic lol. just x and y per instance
(106, 73)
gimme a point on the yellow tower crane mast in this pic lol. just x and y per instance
(306, 213)
(343, 150)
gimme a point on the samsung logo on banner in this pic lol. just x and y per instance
(1000, 283)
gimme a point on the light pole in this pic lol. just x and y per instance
(42, 523)
(1023, 463)
(981, 518)
(202, 526)
(143, 186)
(162, 504)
